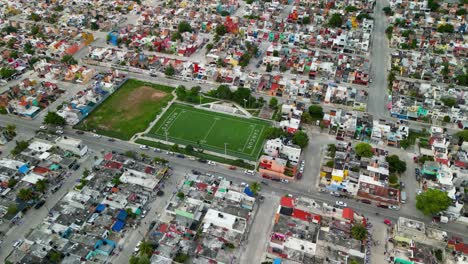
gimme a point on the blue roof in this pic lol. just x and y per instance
(277, 261)
(248, 191)
(100, 208)
(118, 225)
(24, 169)
(122, 215)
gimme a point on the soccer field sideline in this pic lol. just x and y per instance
(214, 124)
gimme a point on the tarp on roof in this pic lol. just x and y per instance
(248, 191)
(24, 169)
(122, 215)
(54, 167)
(100, 208)
(287, 201)
(118, 226)
(277, 261)
(348, 213)
(402, 261)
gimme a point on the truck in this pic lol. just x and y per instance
(403, 197)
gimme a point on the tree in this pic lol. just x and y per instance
(462, 79)
(244, 60)
(393, 179)
(351, 9)
(404, 143)
(20, 146)
(336, 20)
(6, 72)
(301, 139)
(389, 32)
(25, 194)
(363, 150)
(316, 111)
(209, 47)
(223, 92)
(69, 60)
(306, 20)
(274, 132)
(255, 187)
(11, 130)
(139, 260)
(12, 209)
(189, 148)
(395, 164)
(462, 135)
(146, 248)
(181, 92)
(181, 258)
(220, 30)
(180, 195)
(432, 201)
(359, 232)
(446, 119)
(175, 148)
(446, 28)
(273, 103)
(52, 118)
(94, 26)
(41, 185)
(388, 11)
(35, 17)
(184, 26)
(12, 183)
(169, 71)
(448, 101)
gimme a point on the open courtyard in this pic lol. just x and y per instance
(128, 110)
(213, 131)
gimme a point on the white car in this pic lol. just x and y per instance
(243, 184)
(393, 207)
(96, 135)
(212, 163)
(17, 243)
(341, 204)
(284, 181)
(43, 127)
(60, 132)
(143, 147)
(249, 172)
(137, 248)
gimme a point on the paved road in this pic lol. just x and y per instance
(296, 189)
(378, 92)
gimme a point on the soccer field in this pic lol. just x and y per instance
(210, 130)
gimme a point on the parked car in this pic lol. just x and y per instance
(384, 206)
(195, 172)
(366, 201)
(79, 132)
(97, 136)
(232, 167)
(212, 163)
(202, 160)
(393, 207)
(266, 176)
(144, 147)
(111, 140)
(181, 156)
(17, 243)
(39, 204)
(284, 181)
(336, 194)
(60, 132)
(341, 204)
(76, 166)
(387, 222)
(43, 127)
(264, 182)
(249, 172)
(157, 150)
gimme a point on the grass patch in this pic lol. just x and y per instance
(209, 130)
(129, 110)
(413, 135)
(197, 154)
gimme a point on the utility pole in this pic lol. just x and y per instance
(225, 150)
(165, 132)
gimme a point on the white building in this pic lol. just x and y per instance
(275, 148)
(224, 220)
(73, 145)
(139, 178)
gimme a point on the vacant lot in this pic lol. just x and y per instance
(129, 110)
(211, 131)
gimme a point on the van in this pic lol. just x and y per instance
(403, 197)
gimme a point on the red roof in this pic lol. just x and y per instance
(40, 170)
(274, 86)
(163, 228)
(201, 186)
(303, 215)
(108, 156)
(287, 202)
(114, 165)
(348, 213)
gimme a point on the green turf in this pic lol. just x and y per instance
(210, 130)
(127, 111)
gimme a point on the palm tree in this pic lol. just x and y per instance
(146, 248)
(25, 194)
(255, 187)
(41, 185)
(359, 232)
(11, 130)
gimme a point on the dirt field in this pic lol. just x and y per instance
(129, 110)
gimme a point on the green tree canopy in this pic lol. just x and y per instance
(181, 92)
(359, 232)
(41, 185)
(395, 164)
(169, 71)
(255, 187)
(146, 248)
(448, 101)
(301, 139)
(432, 201)
(336, 20)
(364, 150)
(52, 118)
(25, 194)
(462, 135)
(316, 111)
(273, 102)
(220, 30)
(184, 26)
(69, 60)
(274, 132)
(6, 72)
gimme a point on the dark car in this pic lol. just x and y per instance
(417, 173)
(264, 182)
(195, 172)
(202, 160)
(79, 132)
(40, 204)
(111, 140)
(76, 167)
(382, 206)
(366, 201)
(180, 156)
(160, 193)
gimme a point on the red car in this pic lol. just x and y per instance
(387, 222)
(232, 167)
